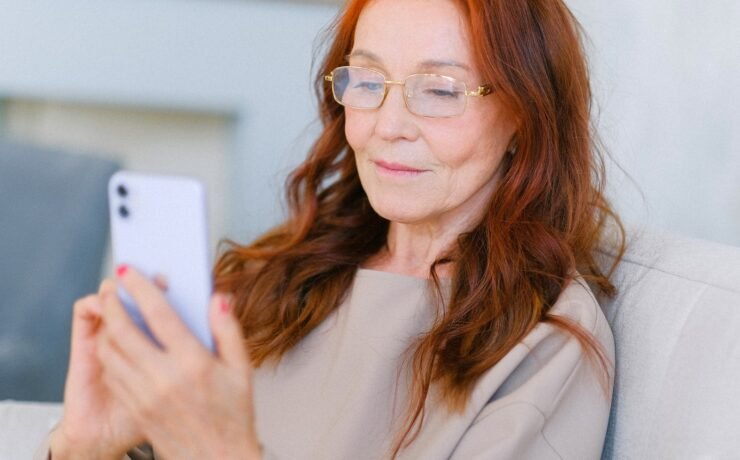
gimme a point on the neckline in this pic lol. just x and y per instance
(397, 276)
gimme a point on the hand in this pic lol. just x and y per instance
(190, 403)
(94, 424)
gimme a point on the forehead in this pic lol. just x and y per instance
(404, 33)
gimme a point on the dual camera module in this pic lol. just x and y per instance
(122, 192)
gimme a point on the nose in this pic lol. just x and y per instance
(393, 117)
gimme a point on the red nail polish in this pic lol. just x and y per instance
(121, 270)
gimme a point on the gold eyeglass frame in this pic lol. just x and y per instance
(483, 90)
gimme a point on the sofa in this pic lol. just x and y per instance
(676, 324)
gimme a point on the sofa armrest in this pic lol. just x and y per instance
(23, 426)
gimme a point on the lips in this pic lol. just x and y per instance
(398, 168)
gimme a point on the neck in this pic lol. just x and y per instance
(412, 248)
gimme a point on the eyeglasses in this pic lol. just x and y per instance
(426, 95)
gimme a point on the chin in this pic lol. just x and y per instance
(397, 211)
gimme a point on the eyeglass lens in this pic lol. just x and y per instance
(426, 95)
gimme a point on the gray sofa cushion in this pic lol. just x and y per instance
(53, 231)
(676, 324)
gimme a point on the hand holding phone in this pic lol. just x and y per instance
(159, 227)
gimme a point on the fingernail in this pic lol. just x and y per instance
(224, 305)
(121, 270)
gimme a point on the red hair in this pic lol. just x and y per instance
(544, 221)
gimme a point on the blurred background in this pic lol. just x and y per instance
(222, 90)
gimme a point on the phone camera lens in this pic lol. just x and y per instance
(123, 211)
(122, 191)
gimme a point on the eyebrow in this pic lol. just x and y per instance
(429, 63)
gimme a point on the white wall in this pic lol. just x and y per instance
(667, 74)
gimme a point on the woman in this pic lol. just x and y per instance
(426, 297)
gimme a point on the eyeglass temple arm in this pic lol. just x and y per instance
(483, 90)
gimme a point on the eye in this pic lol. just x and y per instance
(442, 93)
(369, 85)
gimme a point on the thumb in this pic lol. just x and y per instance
(227, 333)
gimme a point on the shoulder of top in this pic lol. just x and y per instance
(577, 302)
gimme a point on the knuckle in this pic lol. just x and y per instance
(83, 304)
(107, 285)
(79, 305)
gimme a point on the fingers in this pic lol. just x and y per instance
(158, 314)
(86, 323)
(123, 334)
(131, 361)
(227, 333)
(86, 315)
(122, 377)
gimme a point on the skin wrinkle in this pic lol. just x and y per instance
(461, 157)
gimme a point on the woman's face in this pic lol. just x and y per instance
(418, 170)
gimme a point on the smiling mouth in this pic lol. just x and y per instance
(397, 169)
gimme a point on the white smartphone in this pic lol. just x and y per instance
(159, 227)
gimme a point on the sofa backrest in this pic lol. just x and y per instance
(53, 231)
(676, 324)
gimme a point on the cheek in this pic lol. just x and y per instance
(467, 159)
(458, 147)
(477, 140)
(357, 130)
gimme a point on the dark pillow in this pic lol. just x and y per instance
(53, 233)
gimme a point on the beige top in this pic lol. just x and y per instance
(332, 396)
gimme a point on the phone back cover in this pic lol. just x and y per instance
(165, 233)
